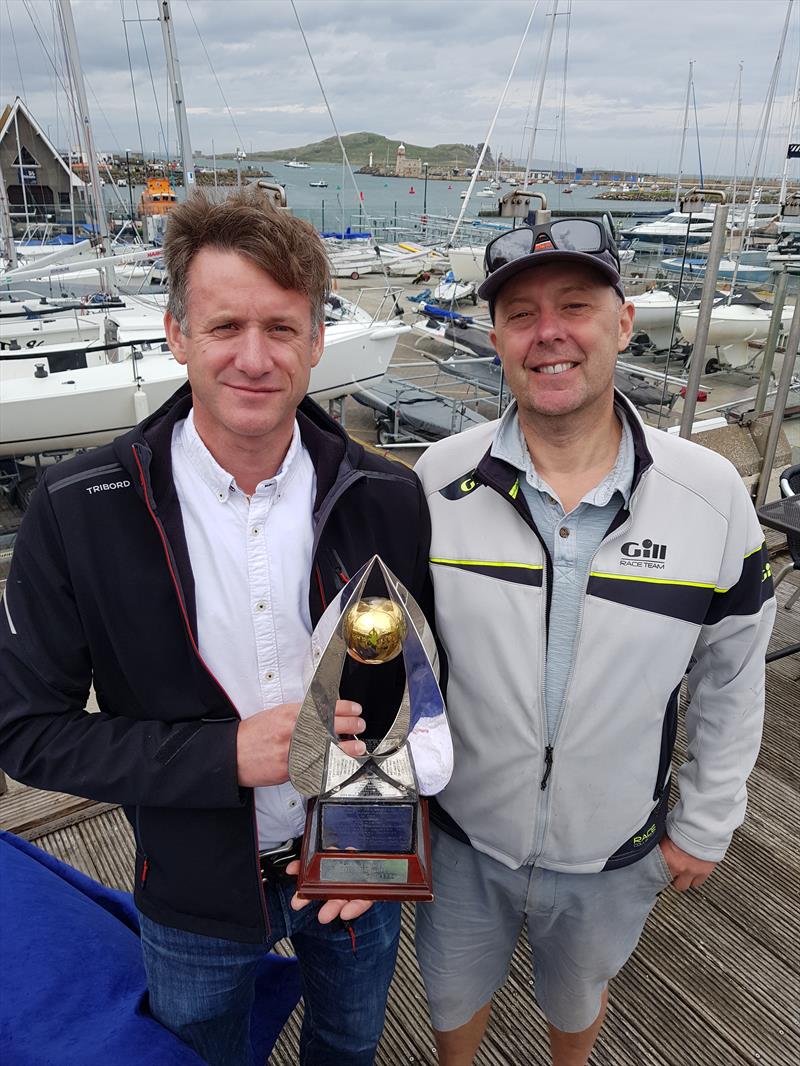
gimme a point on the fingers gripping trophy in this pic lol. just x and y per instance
(366, 833)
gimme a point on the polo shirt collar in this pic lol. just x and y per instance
(509, 446)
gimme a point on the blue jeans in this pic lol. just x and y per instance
(202, 988)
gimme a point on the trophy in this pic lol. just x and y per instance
(366, 834)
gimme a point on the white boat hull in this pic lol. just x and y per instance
(86, 408)
(450, 292)
(731, 330)
(654, 315)
(467, 263)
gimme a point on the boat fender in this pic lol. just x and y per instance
(141, 407)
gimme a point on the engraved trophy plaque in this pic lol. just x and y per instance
(366, 833)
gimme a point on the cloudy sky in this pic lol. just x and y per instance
(425, 71)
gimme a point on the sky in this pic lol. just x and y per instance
(424, 71)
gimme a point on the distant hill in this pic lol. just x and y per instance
(359, 146)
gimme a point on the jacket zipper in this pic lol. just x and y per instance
(550, 748)
(185, 616)
(527, 518)
(145, 859)
(548, 766)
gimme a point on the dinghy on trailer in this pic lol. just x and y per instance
(406, 413)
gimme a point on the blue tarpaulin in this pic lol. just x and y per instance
(72, 984)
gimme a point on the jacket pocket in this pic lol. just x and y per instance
(669, 729)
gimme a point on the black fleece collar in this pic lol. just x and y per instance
(332, 452)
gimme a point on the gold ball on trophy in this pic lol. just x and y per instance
(374, 630)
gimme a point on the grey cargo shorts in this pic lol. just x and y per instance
(582, 928)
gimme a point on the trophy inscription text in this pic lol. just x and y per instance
(364, 871)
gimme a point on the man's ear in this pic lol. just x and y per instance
(626, 316)
(493, 342)
(175, 338)
(318, 346)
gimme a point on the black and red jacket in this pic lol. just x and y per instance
(101, 592)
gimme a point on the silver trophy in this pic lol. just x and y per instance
(367, 828)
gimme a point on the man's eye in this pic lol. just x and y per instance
(225, 326)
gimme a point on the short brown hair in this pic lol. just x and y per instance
(246, 222)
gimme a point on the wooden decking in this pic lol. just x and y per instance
(715, 980)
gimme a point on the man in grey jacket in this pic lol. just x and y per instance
(581, 561)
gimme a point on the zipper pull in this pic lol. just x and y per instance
(145, 869)
(548, 766)
(339, 570)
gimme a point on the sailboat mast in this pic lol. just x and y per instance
(537, 112)
(795, 108)
(736, 144)
(176, 86)
(683, 135)
(79, 88)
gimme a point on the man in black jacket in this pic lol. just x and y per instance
(180, 570)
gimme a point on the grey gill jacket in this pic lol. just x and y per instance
(680, 577)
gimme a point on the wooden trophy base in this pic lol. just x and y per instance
(350, 874)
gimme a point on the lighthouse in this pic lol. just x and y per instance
(400, 161)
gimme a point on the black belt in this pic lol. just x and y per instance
(273, 863)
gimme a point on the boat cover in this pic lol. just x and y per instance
(440, 312)
(423, 413)
(421, 297)
(73, 989)
(348, 235)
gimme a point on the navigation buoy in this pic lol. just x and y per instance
(411, 191)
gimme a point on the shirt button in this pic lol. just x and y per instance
(292, 803)
(261, 606)
(255, 530)
(268, 676)
(221, 496)
(563, 532)
(317, 653)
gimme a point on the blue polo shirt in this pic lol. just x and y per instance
(572, 540)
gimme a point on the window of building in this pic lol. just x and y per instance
(25, 159)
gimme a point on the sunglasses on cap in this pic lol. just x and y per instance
(563, 235)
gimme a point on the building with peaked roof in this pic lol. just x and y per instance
(36, 178)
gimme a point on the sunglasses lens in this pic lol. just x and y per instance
(509, 247)
(577, 235)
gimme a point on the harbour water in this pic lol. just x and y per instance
(340, 205)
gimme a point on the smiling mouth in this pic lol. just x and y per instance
(251, 389)
(557, 368)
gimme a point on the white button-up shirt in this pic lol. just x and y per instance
(251, 560)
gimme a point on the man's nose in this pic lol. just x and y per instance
(549, 326)
(253, 352)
